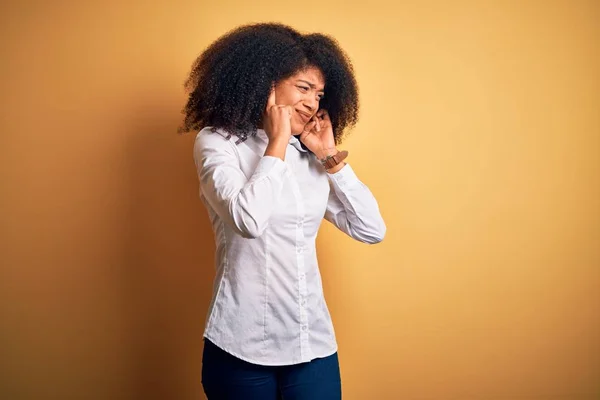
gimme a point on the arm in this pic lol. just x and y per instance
(352, 208)
(244, 204)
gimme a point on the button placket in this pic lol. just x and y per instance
(305, 351)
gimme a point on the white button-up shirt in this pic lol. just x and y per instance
(267, 305)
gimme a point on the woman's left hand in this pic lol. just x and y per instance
(318, 135)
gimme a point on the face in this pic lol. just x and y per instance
(302, 91)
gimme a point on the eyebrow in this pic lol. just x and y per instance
(311, 85)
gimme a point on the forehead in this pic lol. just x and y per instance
(312, 75)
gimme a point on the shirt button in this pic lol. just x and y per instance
(304, 327)
(303, 302)
(299, 224)
(299, 250)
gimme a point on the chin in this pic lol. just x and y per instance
(296, 130)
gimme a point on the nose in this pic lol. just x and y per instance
(311, 103)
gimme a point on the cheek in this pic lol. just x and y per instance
(297, 126)
(287, 96)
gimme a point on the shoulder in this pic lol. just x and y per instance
(214, 138)
(212, 134)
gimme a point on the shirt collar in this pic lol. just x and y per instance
(294, 141)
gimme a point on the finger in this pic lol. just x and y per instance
(271, 101)
(318, 123)
(290, 110)
(307, 128)
(287, 110)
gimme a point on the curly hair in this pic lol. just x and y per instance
(230, 81)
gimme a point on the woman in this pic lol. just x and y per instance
(271, 105)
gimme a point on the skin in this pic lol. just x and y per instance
(293, 109)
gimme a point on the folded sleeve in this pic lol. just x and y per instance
(245, 204)
(352, 208)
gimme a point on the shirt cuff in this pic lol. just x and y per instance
(344, 178)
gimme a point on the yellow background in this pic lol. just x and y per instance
(479, 136)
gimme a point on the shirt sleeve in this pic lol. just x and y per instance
(243, 203)
(352, 208)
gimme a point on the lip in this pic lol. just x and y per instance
(306, 117)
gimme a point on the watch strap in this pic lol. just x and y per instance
(331, 161)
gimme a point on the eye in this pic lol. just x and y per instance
(304, 88)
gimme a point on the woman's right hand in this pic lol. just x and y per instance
(277, 120)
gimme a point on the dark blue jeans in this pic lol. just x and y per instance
(225, 377)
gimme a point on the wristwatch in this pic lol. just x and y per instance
(331, 161)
